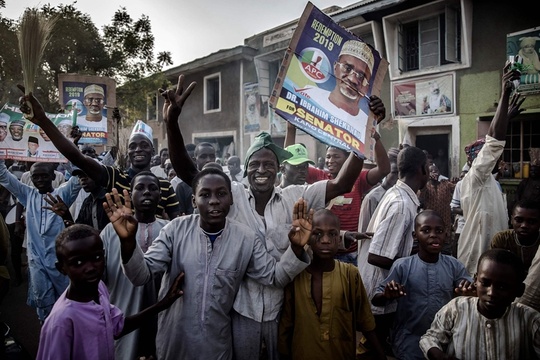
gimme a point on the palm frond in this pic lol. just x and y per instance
(34, 35)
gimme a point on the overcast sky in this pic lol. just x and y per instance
(195, 28)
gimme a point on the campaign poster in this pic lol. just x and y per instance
(526, 44)
(325, 81)
(88, 101)
(22, 140)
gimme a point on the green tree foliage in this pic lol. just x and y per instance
(124, 50)
(10, 63)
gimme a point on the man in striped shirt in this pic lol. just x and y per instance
(489, 326)
(392, 225)
(140, 152)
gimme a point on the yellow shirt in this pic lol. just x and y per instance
(332, 335)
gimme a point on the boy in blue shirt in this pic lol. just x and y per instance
(421, 284)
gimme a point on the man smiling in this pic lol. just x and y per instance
(265, 208)
(140, 151)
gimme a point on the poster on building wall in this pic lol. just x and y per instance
(430, 96)
(526, 44)
(325, 81)
(253, 109)
(22, 140)
(89, 97)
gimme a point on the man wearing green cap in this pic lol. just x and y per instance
(265, 208)
(294, 169)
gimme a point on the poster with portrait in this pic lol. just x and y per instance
(88, 101)
(424, 97)
(325, 81)
(253, 110)
(526, 44)
(22, 140)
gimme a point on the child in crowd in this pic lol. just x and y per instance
(83, 323)
(421, 284)
(524, 237)
(489, 326)
(216, 253)
(327, 303)
(145, 194)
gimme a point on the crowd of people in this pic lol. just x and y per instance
(174, 258)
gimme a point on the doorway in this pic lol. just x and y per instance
(437, 145)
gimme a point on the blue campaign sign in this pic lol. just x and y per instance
(326, 79)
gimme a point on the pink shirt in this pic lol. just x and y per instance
(81, 331)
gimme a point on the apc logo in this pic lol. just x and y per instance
(314, 64)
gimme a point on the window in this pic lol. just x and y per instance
(430, 38)
(212, 93)
(424, 43)
(521, 136)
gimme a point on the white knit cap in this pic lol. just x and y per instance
(359, 50)
(94, 89)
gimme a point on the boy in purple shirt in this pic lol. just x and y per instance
(83, 323)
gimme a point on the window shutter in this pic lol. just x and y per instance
(451, 20)
(401, 48)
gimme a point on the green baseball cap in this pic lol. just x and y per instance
(299, 155)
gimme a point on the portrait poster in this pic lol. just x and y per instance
(22, 140)
(92, 98)
(526, 44)
(252, 110)
(88, 101)
(424, 97)
(325, 81)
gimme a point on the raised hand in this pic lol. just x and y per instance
(302, 223)
(393, 290)
(75, 134)
(121, 215)
(515, 103)
(57, 206)
(465, 288)
(377, 106)
(39, 112)
(175, 99)
(509, 75)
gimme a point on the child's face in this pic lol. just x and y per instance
(213, 199)
(324, 240)
(497, 286)
(526, 223)
(145, 194)
(429, 231)
(83, 261)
